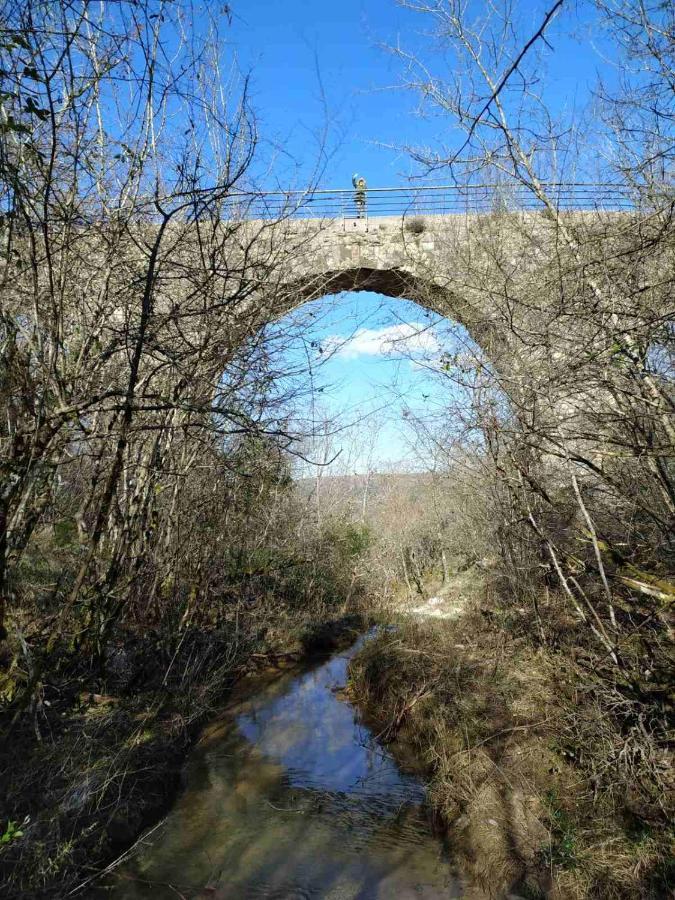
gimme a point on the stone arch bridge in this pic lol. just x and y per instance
(449, 251)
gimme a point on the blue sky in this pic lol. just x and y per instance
(323, 82)
(374, 364)
(315, 65)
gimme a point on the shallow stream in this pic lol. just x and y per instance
(290, 797)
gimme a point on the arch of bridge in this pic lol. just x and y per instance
(452, 265)
(391, 256)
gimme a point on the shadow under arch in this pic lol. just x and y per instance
(402, 284)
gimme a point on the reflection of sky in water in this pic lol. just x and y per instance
(317, 739)
(298, 801)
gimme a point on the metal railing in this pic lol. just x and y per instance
(426, 201)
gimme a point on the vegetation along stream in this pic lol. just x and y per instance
(291, 796)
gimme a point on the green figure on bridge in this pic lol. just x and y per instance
(360, 187)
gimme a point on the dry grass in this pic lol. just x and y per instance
(531, 769)
(107, 764)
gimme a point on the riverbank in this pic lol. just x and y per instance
(533, 776)
(533, 782)
(288, 794)
(105, 765)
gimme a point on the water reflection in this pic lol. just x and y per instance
(290, 797)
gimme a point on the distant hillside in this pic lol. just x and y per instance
(363, 495)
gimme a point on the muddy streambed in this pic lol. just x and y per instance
(290, 797)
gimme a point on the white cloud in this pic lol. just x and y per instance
(405, 338)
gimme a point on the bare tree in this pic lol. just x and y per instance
(136, 285)
(582, 301)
